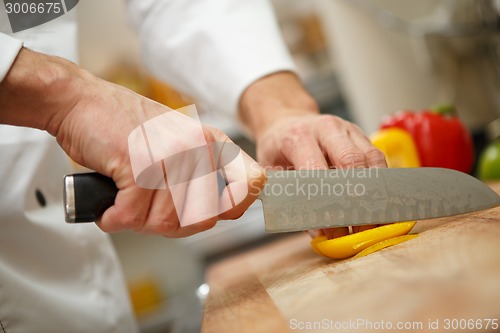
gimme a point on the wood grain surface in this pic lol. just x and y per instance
(444, 278)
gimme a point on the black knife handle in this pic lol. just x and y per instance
(87, 196)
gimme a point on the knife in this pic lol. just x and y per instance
(296, 200)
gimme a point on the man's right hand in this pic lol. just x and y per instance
(91, 120)
(290, 132)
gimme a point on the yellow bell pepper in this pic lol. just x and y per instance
(400, 151)
(347, 246)
(398, 147)
(384, 244)
(316, 240)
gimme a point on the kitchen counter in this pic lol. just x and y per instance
(447, 279)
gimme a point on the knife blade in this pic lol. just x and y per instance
(296, 200)
(351, 197)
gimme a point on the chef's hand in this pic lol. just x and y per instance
(92, 119)
(290, 132)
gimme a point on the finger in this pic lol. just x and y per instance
(314, 233)
(360, 228)
(163, 219)
(301, 149)
(197, 199)
(373, 156)
(245, 179)
(243, 176)
(336, 232)
(162, 216)
(193, 229)
(342, 152)
(129, 211)
(181, 232)
(305, 152)
(334, 138)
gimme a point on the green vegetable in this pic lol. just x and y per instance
(489, 162)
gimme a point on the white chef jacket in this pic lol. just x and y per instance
(56, 277)
(211, 50)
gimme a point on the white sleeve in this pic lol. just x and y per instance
(9, 48)
(210, 50)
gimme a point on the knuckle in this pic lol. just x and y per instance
(353, 128)
(288, 148)
(298, 130)
(207, 225)
(213, 134)
(131, 221)
(351, 157)
(164, 227)
(209, 133)
(374, 155)
(329, 121)
(296, 133)
(315, 165)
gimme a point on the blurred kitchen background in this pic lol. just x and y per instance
(361, 60)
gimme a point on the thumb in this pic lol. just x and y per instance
(243, 176)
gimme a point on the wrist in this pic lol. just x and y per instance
(39, 91)
(273, 97)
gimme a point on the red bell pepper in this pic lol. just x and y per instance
(441, 139)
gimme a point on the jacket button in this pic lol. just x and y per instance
(40, 198)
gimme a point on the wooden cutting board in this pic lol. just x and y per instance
(445, 279)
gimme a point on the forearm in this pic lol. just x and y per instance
(39, 90)
(273, 97)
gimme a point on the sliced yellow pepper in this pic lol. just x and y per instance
(384, 244)
(315, 240)
(398, 147)
(347, 246)
(400, 151)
